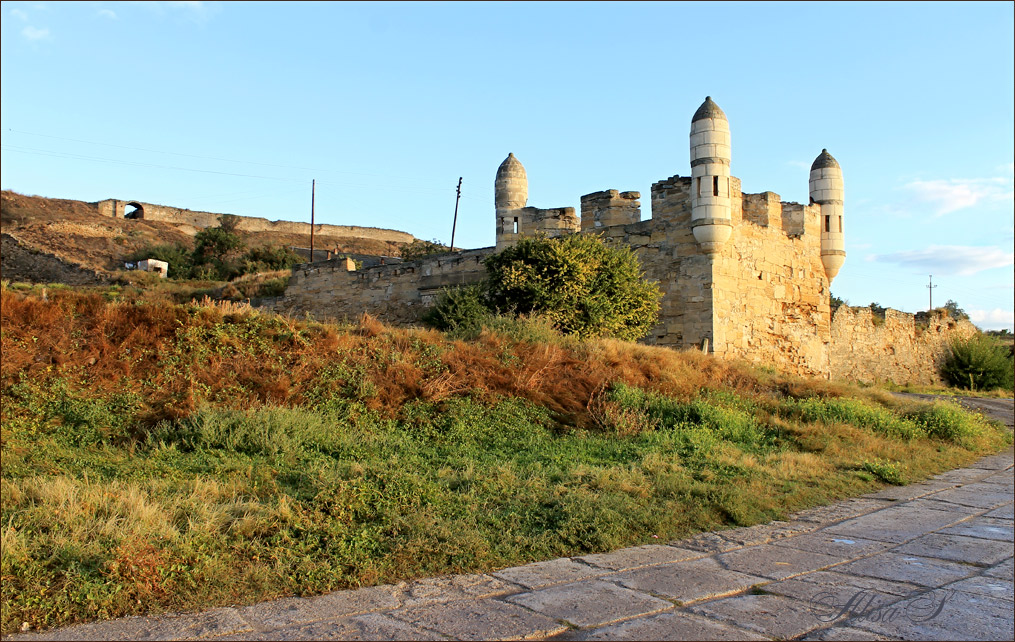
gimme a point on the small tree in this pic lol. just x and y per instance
(979, 363)
(954, 311)
(458, 309)
(582, 285)
(419, 249)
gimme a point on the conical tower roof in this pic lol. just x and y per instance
(511, 165)
(823, 160)
(708, 109)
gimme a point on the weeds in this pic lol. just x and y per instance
(161, 457)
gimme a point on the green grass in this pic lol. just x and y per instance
(116, 500)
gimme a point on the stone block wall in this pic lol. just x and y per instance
(897, 349)
(769, 287)
(116, 209)
(609, 208)
(395, 293)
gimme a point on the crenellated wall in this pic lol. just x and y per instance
(901, 348)
(117, 209)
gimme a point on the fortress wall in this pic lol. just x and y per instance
(896, 349)
(770, 290)
(395, 293)
(116, 209)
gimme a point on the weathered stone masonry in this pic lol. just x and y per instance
(743, 275)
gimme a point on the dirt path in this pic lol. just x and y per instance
(1001, 409)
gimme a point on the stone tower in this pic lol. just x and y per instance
(711, 203)
(510, 193)
(826, 191)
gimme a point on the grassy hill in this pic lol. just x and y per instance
(76, 232)
(160, 457)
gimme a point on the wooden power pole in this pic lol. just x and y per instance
(454, 223)
(313, 186)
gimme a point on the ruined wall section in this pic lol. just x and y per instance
(770, 293)
(116, 209)
(395, 293)
(897, 348)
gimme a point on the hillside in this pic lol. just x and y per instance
(161, 457)
(75, 232)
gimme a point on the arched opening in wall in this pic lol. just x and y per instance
(134, 211)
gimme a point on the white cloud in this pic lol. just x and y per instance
(950, 195)
(32, 33)
(19, 14)
(995, 319)
(107, 13)
(950, 259)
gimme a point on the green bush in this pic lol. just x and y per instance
(579, 283)
(979, 363)
(461, 309)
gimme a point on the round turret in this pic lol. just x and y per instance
(826, 191)
(511, 187)
(711, 204)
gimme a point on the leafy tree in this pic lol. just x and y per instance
(579, 283)
(229, 222)
(214, 243)
(419, 249)
(979, 363)
(269, 257)
(835, 302)
(954, 311)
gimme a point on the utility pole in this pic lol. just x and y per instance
(454, 223)
(930, 290)
(313, 189)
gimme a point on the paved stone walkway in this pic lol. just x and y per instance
(929, 561)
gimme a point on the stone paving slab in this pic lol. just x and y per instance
(289, 611)
(639, 556)
(688, 581)
(983, 527)
(776, 562)
(1002, 512)
(1004, 570)
(844, 633)
(371, 626)
(832, 544)
(958, 548)
(899, 567)
(775, 615)
(677, 625)
(984, 585)
(843, 510)
(963, 616)
(896, 524)
(827, 587)
(572, 602)
(556, 571)
(480, 620)
(974, 495)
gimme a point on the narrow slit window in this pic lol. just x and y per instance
(828, 223)
(715, 186)
(699, 186)
(516, 225)
(840, 225)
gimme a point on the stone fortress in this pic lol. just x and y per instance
(743, 275)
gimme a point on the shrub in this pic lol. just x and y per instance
(979, 363)
(461, 309)
(419, 249)
(269, 258)
(580, 284)
(177, 255)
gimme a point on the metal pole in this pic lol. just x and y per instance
(930, 290)
(454, 223)
(313, 187)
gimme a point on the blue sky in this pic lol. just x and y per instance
(236, 107)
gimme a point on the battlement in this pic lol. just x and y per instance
(608, 208)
